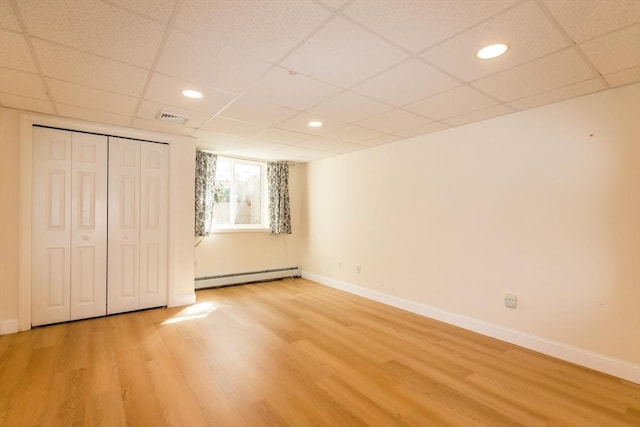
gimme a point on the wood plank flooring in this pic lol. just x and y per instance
(292, 353)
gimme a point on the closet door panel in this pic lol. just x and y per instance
(89, 226)
(153, 224)
(124, 226)
(51, 226)
(99, 225)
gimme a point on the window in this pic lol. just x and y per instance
(240, 198)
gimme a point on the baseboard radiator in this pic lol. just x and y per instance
(251, 277)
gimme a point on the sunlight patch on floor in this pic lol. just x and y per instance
(193, 312)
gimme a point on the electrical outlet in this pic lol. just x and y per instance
(510, 301)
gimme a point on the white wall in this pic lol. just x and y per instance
(15, 164)
(243, 252)
(9, 215)
(543, 203)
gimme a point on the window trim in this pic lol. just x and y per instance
(263, 226)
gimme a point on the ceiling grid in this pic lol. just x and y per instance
(373, 71)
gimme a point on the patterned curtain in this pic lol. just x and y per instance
(205, 179)
(279, 210)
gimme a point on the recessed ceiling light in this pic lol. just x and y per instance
(314, 124)
(492, 51)
(190, 93)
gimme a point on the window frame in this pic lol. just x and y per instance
(263, 226)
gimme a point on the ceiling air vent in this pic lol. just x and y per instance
(171, 117)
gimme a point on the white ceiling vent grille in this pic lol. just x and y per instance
(171, 117)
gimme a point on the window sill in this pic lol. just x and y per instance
(223, 230)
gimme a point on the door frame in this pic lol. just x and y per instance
(180, 289)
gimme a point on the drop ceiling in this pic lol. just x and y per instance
(373, 71)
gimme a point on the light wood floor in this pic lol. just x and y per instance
(292, 353)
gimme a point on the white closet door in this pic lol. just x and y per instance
(124, 226)
(51, 226)
(88, 226)
(153, 224)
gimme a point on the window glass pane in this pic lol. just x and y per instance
(247, 190)
(222, 193)
(238, 194)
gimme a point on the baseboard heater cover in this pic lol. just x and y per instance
(250, 277)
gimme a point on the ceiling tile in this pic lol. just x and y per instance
(349, 107)
(167, 90)
(476, 116)
(394, 121)
(320, 144)
(165, 127)
(347, 147)
(20, 83)
(353, 133)
(526, 29)
(63, 63)
(571, 91)
(623, 77)
(556, 70)
(92, 115)
(343, 54)
(256, 144)
(264, 29)
(391, 86)
(455, 102)
(160, 10)
(7, 17)
(381, 140)
(26, 104)
(257, 112)
(217, 140)
(587, 19)
(423, 130)
(148, 110)
(282, 136)
(14, 52)
(294, 152)
(616, 51)
(290, 89)
(92, 99)
(200, 60)
(267, 156)
(299, 123)
(94, 26)
(239, 151)
(233, 127)
(220, 143)
(333, 4)
(418, 24)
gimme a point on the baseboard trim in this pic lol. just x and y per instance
(619, 368)
(8, 327)
(246, 277)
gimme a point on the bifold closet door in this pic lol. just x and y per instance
(124, 225)
(69, 226)
(88, 225)
(154, 222)
(138, 197)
